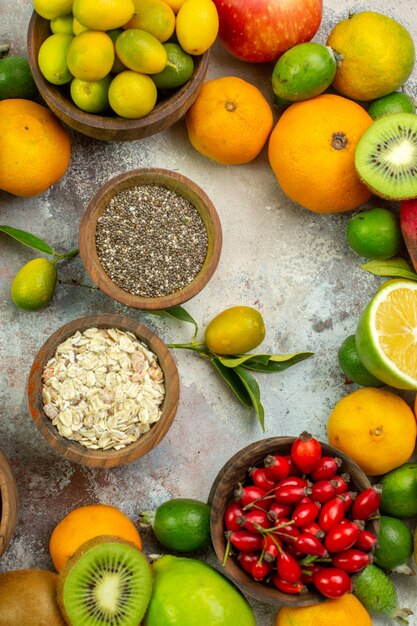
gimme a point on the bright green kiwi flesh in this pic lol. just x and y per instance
(107, 582)
(386, 156)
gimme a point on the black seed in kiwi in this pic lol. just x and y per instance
(107, 582)
(386, 156)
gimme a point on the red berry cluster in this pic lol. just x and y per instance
(295, 522)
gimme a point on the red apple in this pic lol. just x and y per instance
(259, 31)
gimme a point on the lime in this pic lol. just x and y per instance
(34, 285)
(132, 95)
(399, 491)
(62, 24)
(140, 51)
(90, 55)
(50, 9)
(182, 524)
(16, 80)
(52, 59)
(154, 16)
(187, 592)
(91, 96)
(386, 336)
(303, 71)
(352, 366)
(377, 593)
(395, 102)
(395, 543)
(235, 331)
(179, 68)
(375, 234)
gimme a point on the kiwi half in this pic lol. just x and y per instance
(107, 582)
(386, 156)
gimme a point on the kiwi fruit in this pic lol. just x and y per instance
(386, 156)
(29, 597)
(107, 582)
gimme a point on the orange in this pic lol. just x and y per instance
(342, 611)
(229, 121)
(311, 152)
(87, 522)
(35, 149)
(375, 427)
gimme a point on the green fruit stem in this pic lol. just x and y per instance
(66, 255)
(146, 519)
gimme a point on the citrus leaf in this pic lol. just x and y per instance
(253, 390)
(234, 381)
(397, 266)
(27, 239)
(277, 366)
(178, 313)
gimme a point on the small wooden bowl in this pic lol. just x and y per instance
(175, 182)
(74, 451)
(8, 503)
(221, 494)
(110, 127)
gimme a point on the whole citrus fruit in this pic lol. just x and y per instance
(52, 58)
(311, 152)
(352, 366)
(154, 16)
(235, 331)
(140, 51)
(395, 543)
(229, 121)
(375, 233)
(35, 150)
(375, 427)
(395, 102)
(90, 55)
(34, 284)
(342, 611)
(16, 80)
(399, 491)
(87, 522)
(103, 14)
(50, 9)
(132, 95)
(376, 55)
(197, 25)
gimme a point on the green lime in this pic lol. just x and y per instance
(352, 366)
(91, 96)
(52, 59)
(395, 543)
(62, 24)
(182, 524)
(140, 51)
(34, 285)
(395, 102)
(179, 68)
(399, 491)
(377, 593)
(187, 592)
(16, 80)
(375, 234)
(303, 71)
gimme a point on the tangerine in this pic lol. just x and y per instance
(311, 152)
(342, 611)
(35, 149)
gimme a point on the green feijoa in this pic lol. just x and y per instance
(377, 593)
(352, 366)
(395, 544)
(179, 68)
(303, 71)
(399, 491)
(16, 80)
(395, 102)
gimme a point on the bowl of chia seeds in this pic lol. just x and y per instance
(150, 239)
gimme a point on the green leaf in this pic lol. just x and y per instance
(397, 266)
(178, 313)
(253, 390)
(27, 239)
(234, 381)
(265, 362)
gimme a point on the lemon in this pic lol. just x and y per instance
(197, 25)
(103, 14)
(62, 24)
(52, 59)
(154, 16)
(235, 331)
(50, 9)
(386, 336)
(132, 95)
(140, 51)
(34, 285)
(91, 96)
(90, 55)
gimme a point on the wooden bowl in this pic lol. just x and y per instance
(175, 182)
(8, 503)
(74, 451)
(110, 127)
(221, 494)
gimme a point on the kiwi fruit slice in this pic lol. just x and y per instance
(107, 582)
(386, 156)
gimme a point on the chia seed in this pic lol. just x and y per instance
(151, 241)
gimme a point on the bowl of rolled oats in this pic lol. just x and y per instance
(103, 390)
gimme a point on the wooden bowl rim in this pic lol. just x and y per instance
(9, 503)
(75, 451)
(171, 180)
(165, 110)
(234, 470)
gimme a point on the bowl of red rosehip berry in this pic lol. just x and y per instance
(293, 520)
